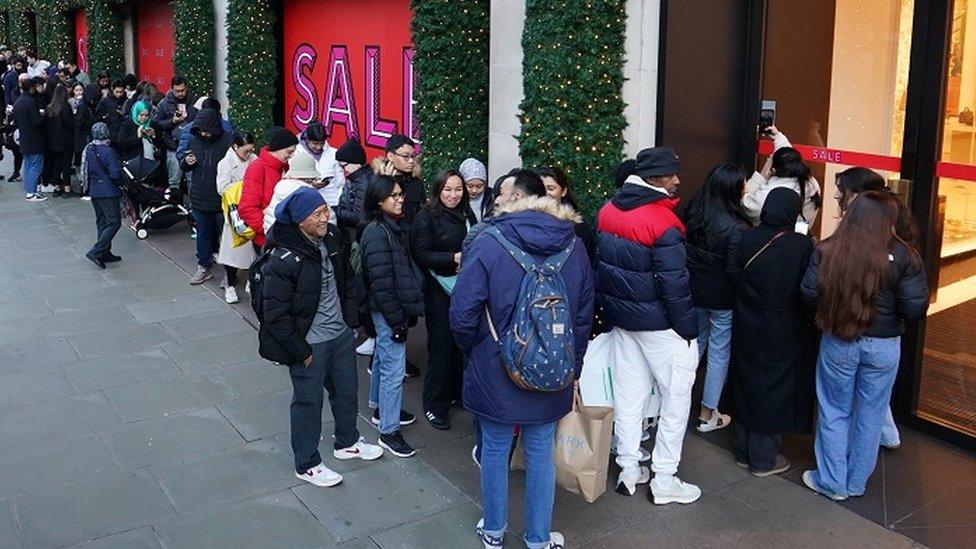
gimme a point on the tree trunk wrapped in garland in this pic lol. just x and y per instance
(252, 66)
(105, 39)
(194, 56)
(450, 38)
(572, 112)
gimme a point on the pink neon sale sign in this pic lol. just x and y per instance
(349, 65)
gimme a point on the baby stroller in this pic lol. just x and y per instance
(153, 205)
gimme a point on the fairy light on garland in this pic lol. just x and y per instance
(450, 38)
(194, 44)
(572, 111)
(252, 66)
(105, 38)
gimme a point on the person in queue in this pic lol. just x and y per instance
(261, 177)
(784, 168)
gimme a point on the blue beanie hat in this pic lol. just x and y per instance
(298, 205)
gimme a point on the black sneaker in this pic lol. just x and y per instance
(109, 257)
(96, 260)
(438, 422)
(14, 177)
(412, 370)
(57, 192)
(396, 445)
(406, 418)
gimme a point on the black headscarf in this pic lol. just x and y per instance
(781, 209)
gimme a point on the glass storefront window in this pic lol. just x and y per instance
(947, 383)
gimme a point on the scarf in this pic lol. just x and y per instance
(138, 109)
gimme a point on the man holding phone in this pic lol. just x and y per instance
(174, 112)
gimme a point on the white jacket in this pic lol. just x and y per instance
(230, 170)
(757, 188)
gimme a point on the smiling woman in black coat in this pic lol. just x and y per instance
(436, 237)
(773, 337)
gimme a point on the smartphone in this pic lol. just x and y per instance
(767, 115)
(181, 109)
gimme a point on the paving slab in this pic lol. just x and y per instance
(237, 474)
(23, 309)
(36, 352)
(262, 415)
(25, 387)
(8, 533)
(91, 509)
(189, 304)
(252, 378)
(102, 373)
(53, 463)
(202, 354)
(226, 321)
(78, 415)
(139, 538)
(388, 493)
(449, 528)
(177, 438)
(119, 341)
(275, 520)
(164, 396)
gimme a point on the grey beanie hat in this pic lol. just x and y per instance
(472, 168)
(100, 131)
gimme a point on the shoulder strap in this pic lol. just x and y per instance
(763, 249)
(556, 261)
(519, 255)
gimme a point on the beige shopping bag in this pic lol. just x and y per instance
(582, 452)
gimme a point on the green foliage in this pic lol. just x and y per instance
(105, 39)
(3, 27)
(54, 39)
(572, 112)
(18, 24)
(194, 55)
(450, 40)
(252, 66)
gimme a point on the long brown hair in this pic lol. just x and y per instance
(854, 263)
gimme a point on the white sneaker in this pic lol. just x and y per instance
(367, 347)
(230, 295)
(361, 450)
(247, 287)
(627, 481)
(31, 197)
(673, 491)
(556, 541)
(716, 422)
(645, 436)
(320, 475)
(86, 198)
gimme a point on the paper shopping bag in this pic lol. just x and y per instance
(582, 452)
(596, 378)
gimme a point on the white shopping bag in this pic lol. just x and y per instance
(596, 379)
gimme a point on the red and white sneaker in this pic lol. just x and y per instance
(320, 475)
(361, 450)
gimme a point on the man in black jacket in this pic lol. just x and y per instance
(30, 122)
(172, 115)
(402, 164)
(309, 305)
(11, 91)
(109, 109)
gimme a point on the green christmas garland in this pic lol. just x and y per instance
(572, 112)
(194, 55)
(450, 39)
(252, 66)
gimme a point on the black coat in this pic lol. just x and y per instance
(60, 130)
(29, 120)
(711, 261)
(414, 196)
(436, 235)
(349, 212)
(396, 285)
(83, 126)
(904, 296)
(109, 110)
(292, 288)
(774, 342)
(209, 152)
(128, 142)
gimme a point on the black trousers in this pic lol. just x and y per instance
(18, 158)
(444, 362)
(57, 168)
(334, 368)
(757, 449)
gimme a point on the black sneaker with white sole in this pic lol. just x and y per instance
(396, 445)
(406, 418)
(412, 370)
(438, 422)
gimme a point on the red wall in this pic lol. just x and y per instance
(348, 64)
(81, 40)
(154, 40)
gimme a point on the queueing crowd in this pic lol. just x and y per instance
(333, 244)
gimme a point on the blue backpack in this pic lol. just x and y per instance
(538, 350)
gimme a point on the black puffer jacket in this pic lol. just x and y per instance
(349, 212)
(60, 129)
(292, 288)
(209, 152)
(903, 296)
(396, 285)
(109, 110)
(712, 262)
(414, 196)
(436, 235)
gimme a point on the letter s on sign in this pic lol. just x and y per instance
(303, 62)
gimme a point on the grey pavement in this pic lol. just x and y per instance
(135, 412)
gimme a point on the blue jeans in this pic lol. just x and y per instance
(854, 381)
(33, 167)
(209, 227)
(715, 334)
(108, 219)
(386, 383)
(540, 478)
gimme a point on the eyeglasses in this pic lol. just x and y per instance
(413, 156)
